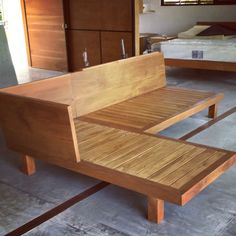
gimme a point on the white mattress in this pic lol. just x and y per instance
(199, 49)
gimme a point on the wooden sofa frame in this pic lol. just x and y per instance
(72, 121)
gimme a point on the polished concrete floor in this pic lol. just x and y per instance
(116, 211)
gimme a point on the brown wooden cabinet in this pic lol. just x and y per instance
(58, 33)
(111, 45)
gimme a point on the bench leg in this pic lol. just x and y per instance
(212, 113)
(155, 210)
(28, 165)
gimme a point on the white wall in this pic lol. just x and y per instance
(16, 40)
(173, 19)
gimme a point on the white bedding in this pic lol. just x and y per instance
(199, 49)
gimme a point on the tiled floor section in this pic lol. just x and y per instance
(116, 211)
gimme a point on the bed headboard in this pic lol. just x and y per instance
(228, 24)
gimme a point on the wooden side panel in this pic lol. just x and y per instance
(40, 129)
(79, 40)
(85, 14)
(56, 89)
(107, 84)
(45, 22)
(111, 45)
(117, 15)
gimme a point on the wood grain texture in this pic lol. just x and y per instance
(85, 15)
(106, 15)
(156, 110)
(107, 84)
(56, 89)
(178, 170)
(111, 45)
(46, 34)
(212, 113)
(117, 15)
(206, 65)
(79, 41)
(28, 165)
(29, 128)
(155, 210)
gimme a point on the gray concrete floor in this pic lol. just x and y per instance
(116, 211)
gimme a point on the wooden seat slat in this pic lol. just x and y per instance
(167, 163)
(153, 108)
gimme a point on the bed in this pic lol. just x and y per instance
(203, 53)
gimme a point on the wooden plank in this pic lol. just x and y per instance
(28, 165)
(57, 89)
(197, 64)
(46, 34)
(155, 210)
(156, 110)
(107, 84)
(38, 128)
(212, 111)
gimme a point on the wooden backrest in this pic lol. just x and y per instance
(42, 129)
(57, 89)
(104, 85)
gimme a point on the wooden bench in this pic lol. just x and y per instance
(46, 120)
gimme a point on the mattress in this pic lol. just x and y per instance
(198, 49)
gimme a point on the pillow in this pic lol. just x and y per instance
(217, 30)
(191, 33)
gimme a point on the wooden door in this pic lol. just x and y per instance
(111, 45)
(46, 34)
(79, 41)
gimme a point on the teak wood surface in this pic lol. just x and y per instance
(203, 64)
(48, 117)
(156, 110)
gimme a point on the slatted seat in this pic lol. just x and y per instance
(156, 110)
(166, 169)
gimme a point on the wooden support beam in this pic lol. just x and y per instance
(28, 166)
(155, 210)
(212, 113)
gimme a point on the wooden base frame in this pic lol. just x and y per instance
(155, 210)
(28, 165)
(204, 65)
(212, 113)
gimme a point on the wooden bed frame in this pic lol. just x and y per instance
(100, 122)
(203, 64)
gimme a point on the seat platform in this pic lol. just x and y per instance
(163, 168)
(156, 110)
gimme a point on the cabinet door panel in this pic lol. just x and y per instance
(85, 14)
(78, 41)
(117, 15)
(111, 45)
